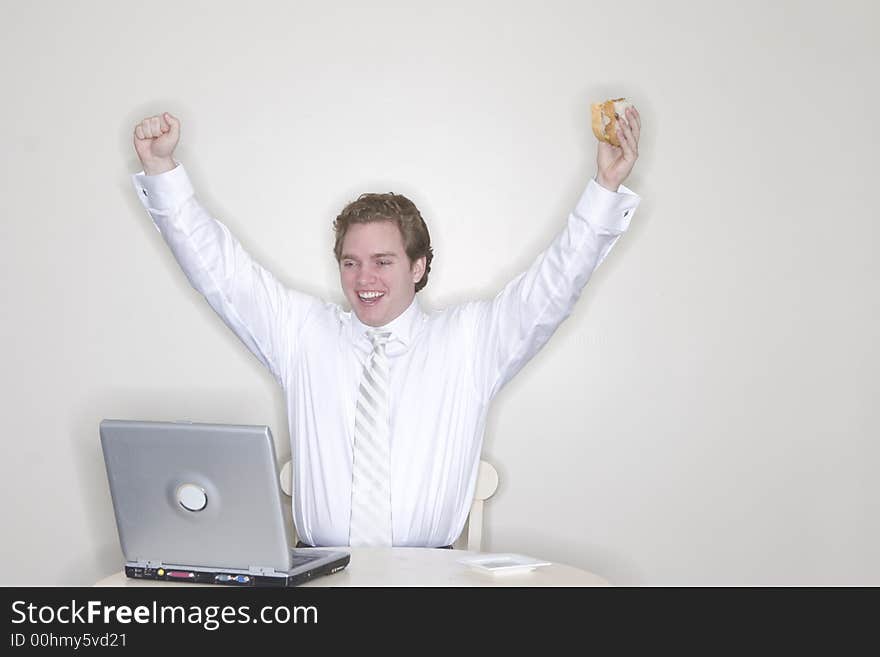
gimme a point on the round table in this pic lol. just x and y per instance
(416, 567)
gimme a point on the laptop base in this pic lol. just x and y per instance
(233, 577)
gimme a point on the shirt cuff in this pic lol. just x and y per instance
(612, 211)
(165, 191)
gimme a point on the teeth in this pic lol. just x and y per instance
(370, 295)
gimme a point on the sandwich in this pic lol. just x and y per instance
(605, 118)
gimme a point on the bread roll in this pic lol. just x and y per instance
(605, 117)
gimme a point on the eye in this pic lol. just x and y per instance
(384, 262)
(348, 263)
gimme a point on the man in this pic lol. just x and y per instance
(386, 403)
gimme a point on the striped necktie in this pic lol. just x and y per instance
(371, 469)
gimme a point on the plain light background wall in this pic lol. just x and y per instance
(708, 413)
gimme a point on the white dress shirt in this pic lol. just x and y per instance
(446, 366)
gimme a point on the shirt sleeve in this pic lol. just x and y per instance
(510, 329)
(263, 313)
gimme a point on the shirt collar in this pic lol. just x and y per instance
(404, 327)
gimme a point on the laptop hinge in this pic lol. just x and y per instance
(261, 570)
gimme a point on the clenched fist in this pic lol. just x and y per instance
(154, 140)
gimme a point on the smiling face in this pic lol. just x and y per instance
(377, 277)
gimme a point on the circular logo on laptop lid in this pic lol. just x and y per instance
(192, 497)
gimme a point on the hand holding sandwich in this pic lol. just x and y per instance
(616, 162)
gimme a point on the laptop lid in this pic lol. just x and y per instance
(197, 495)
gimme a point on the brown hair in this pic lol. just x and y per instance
(389, 207)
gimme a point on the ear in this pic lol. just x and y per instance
(418, 269)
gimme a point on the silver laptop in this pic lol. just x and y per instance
(202, 503)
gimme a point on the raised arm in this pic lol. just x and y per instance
(262, 312)
(510, 329)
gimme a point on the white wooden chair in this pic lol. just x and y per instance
(487, 483)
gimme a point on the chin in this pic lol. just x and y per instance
(368, 319)
(369, 316)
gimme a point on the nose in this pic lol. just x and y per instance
(366, 275)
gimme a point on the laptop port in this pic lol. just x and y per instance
(180, 574)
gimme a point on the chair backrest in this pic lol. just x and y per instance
(487, 484)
